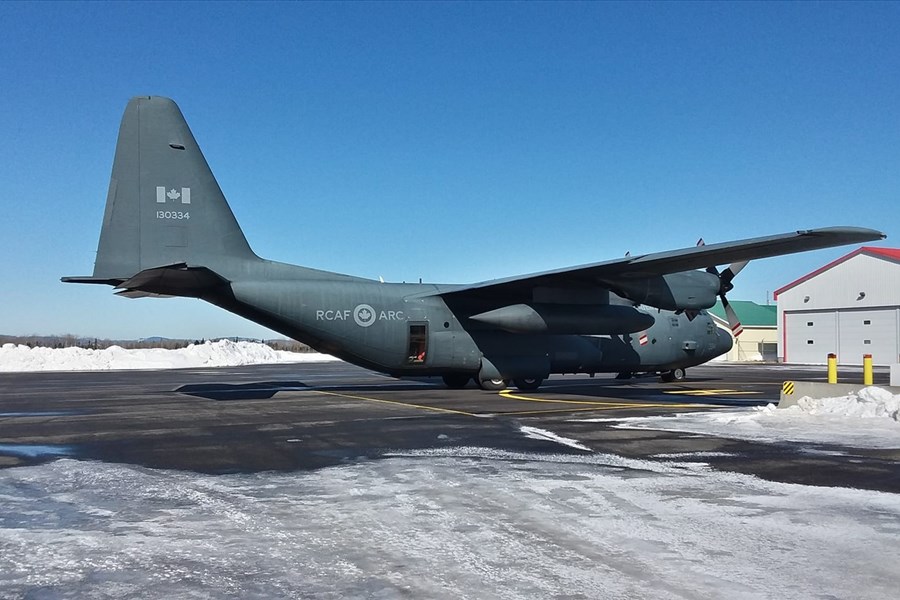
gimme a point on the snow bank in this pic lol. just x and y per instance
(223, 353)
(870, 402)
(868, 419)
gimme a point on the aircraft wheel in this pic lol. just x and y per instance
(624, 375)
(673, 375)
(528, 383)
(456, 381)
(492, 385)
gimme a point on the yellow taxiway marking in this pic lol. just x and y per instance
(595, 404)
(712, 392)
(512, 396)
(397, 403)
(585, 405)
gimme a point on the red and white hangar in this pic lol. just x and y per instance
(849, 307)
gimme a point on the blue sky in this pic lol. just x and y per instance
(455, 142)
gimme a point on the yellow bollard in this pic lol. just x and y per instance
(832, 368)
(867, 369)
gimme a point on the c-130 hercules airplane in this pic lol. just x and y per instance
(168, 231)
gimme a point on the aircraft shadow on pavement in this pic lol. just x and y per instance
(259, 390)
(264, 390)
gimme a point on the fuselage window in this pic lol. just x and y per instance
(418, 343)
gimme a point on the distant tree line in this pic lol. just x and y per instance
(74, 341)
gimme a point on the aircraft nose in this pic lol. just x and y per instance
(723, 342)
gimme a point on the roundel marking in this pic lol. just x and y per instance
(364, 315)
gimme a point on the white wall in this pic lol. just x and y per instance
(838, 302)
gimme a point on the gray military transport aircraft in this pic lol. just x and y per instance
(168, 231)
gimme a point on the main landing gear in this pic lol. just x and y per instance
(457, 381)
(528, 383)
(492, 385)
(673, 375)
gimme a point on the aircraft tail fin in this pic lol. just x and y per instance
(164, 207)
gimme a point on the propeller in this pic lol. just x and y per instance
(725, 286)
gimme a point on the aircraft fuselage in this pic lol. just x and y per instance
(409, 329)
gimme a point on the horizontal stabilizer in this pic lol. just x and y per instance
(100, 280)
(172, 280)
(166, 281)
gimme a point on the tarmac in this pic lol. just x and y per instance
(308, 416)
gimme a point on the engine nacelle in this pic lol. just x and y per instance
(583, 319)
(692, 290)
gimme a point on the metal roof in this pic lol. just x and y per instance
(750, 313)
(892, 254)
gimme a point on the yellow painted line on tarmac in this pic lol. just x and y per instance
(512, 396)
(712, 392)
(595, 404)
(397, 403)
(584, 405)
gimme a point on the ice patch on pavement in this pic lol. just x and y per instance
(868, 419)
(694, 455)
(487, 525)
(223, 353)
(542, 434)
(36, 450)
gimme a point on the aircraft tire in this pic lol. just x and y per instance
(673, 375)
(624, 375)
(456, 381)
(492, 385)
(528, 383)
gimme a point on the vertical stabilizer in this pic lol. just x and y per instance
(164, 205)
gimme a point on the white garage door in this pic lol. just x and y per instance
(810, 337)
(868, 332)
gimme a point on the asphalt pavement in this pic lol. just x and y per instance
(307, 416)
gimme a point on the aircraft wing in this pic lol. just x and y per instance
(633, 268)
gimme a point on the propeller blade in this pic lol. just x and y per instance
(729, 274)
(734, 269)
(738, 267)
(733, 321)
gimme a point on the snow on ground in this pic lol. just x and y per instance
(223, 353)
(449, 523)
(869, 419)
(542, 434)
